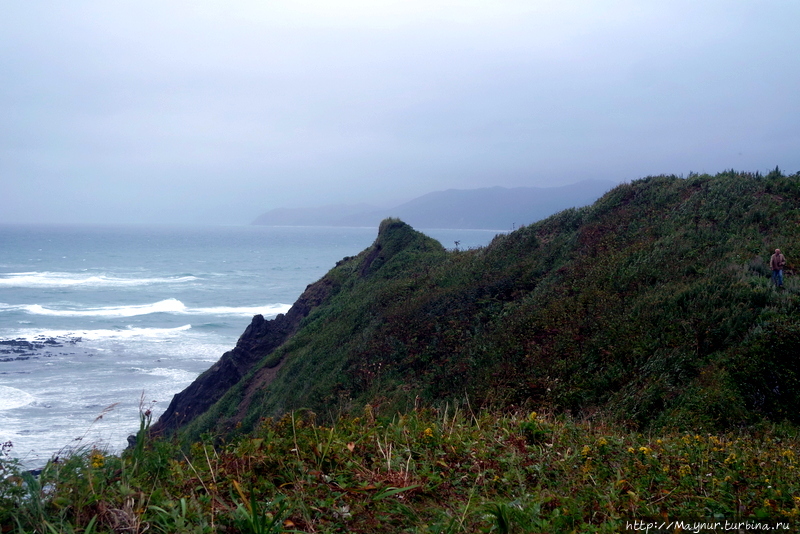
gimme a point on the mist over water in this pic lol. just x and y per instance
(96, 320)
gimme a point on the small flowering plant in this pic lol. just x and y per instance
(97, 459)
(535, 429)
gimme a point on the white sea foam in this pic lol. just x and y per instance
(126, 333)
(176, 375)
(11, 398)
(134, 333)
(162, 306)
(245, 311)
(49, 279)
(171, 306)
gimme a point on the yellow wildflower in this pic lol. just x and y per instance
(684, 470)
(631, 450)
(429, 432)
(532, 417)
(586, 450)
(645, 450)
(97, 459)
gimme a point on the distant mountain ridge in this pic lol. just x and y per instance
(491, 208)
(318, 216)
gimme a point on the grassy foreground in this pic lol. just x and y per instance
(429, 471)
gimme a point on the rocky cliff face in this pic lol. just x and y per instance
(259, 339)
(262, 337)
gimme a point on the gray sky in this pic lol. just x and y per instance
(214, 112)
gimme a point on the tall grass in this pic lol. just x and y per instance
(447, 470)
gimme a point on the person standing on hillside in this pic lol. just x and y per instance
(777, 262)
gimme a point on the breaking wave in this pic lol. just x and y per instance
(170, 306)
(57, 279)
(66, 336)
(11, 398)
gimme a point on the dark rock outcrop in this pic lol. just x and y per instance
(259, 339)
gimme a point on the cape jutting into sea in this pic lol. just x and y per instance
(98, 320)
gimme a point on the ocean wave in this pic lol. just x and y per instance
(48, 279)
(170, 306)
(244, 311)
(11, 398)
(132, 332)
(176, 375)
(68, 336)
(163, 306)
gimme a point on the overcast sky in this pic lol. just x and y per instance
(214, 112)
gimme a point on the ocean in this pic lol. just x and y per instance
(96, 321)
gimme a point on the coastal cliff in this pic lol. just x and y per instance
(262, 337)
(653, 307)
(259, 339)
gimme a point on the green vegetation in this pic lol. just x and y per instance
(653, 307)
(427, 471)
(645, 327)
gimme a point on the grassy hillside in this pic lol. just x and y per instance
(425, 472)
(626, 362)
(652, 308)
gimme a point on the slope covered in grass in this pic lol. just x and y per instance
(427, 471)
(652, 307)
(401, 397)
